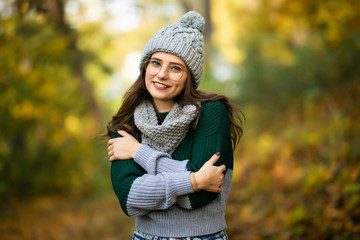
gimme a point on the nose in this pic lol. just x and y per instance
(163, 73)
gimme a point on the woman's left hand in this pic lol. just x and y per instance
(124, 147)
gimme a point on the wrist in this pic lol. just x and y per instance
(194, 182)
(136, 148)
(200, 182)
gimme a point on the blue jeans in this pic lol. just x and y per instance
(144, 236)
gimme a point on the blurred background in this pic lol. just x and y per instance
(292, 66)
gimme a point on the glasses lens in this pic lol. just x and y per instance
(175, 75)
(175, 72)
(153, 68)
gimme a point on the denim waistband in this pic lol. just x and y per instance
(144, 236)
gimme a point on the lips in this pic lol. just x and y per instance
(160, 86)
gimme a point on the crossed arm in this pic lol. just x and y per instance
(151, 180)
(208, 178)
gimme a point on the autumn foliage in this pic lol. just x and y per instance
(292, 66)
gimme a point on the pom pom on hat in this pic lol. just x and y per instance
(183, 39)
(193, 19)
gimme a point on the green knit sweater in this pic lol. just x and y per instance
(211, 135)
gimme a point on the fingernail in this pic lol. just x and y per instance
(217, 154)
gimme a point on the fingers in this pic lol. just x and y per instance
(110, 153)
(111, 150)
(222, 168)
(111, 141)
(219, 189)
(214, 158)
(117, 146)
(123, 133)
(216, 189)
(110, 146)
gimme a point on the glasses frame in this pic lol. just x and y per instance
(146, 64)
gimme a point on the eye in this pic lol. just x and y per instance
(175, 68)
(155, 63)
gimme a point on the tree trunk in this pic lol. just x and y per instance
(53, 10)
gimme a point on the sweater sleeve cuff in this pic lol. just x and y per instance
(180, 183)
(155, 162)
(146, 158)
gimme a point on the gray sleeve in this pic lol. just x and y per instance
(157, 192)
(155, 162)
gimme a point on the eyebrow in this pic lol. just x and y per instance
(160, 60)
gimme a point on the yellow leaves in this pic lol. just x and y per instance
(279, 155)
(72, 124)
(58, 45)
(90, 127)
(277, 27)
(62, 217)
(287, 184)
(336, 15)
(228, 30)
(85, 126)
(248, 212)
(298, 214)
(311, 138)
(239, 24)
(58, 137)
(317, 175)
(355, 174)
(49, 90)
(23, 109)
(24, 7)
(287, 172)
(265, 145)
(276, 52)
(234, 55)
(324, 16)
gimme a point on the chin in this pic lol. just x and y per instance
(161, 96)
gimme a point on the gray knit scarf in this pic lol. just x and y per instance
(167, 136)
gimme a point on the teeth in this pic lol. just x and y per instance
(159, 84)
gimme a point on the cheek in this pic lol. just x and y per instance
(181, 84)
(147, 82)
(180, 87)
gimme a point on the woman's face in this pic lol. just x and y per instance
(165, 79)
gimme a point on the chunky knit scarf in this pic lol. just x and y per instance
(167, 136)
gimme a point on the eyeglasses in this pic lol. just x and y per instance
(175, 71)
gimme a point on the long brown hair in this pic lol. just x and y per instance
(124, 118)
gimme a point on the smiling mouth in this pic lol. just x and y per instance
(160, 85)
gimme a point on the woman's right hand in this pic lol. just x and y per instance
(209, 177)
(123, 148)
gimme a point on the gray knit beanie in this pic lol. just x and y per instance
(183, 39)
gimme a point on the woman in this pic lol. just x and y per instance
(171, 145)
